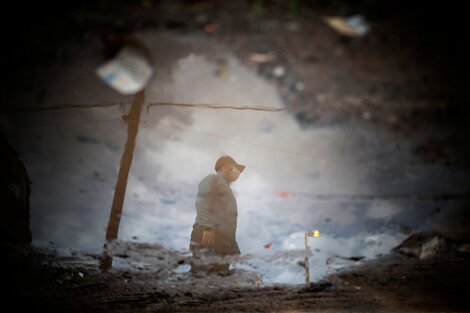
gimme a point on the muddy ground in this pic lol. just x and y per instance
(407, 74)
(45, 282)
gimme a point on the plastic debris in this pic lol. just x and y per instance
(279, 71)
(353, 26)
(268, 245)
(128, 73)
(284, 194)
(260, 57)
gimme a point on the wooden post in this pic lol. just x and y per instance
(132, 120)
(307, 265)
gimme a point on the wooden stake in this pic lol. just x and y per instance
(132, 120)
(306, 261)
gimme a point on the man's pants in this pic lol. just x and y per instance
(201, 259)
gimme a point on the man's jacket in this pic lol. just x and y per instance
(216, 208)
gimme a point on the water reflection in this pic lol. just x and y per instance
(341, 180)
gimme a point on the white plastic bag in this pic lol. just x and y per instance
(128, 72)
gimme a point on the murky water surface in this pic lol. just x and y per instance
(352, 183)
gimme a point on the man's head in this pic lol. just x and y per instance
(229, 168)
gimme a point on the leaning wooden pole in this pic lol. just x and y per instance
(132, 120)
(306, 261)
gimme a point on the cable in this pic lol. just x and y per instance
(67, 123)
(110, 104)
(64, 106)
(199, 132)
(267, 147)
(215, 106)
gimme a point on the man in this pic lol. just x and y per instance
(215, 227)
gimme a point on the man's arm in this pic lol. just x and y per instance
(208, 237)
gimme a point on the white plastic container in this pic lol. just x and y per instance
(128, 72)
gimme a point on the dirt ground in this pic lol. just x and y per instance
(407, 75)
(45, 282)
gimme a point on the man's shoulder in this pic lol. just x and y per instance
(213, 176)
(211, 180)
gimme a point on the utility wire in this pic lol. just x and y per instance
(67, 123)
(361, 197)
(111, 104)
(226, 139)
(206, 134)
(34, 108)
(215, 106)
(217, 136)
(270, 147)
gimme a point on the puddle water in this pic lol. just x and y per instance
(346, 181)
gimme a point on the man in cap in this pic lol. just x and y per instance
(214, 230)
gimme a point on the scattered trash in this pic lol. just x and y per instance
(279, 71)
(80, 274)
(128, 73)
(261, 58)
(182, 268)
(353, 26)
(268, 245)
(284, 194)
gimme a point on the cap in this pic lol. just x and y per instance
(228, 160)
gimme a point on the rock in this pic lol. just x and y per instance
(422, 245)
